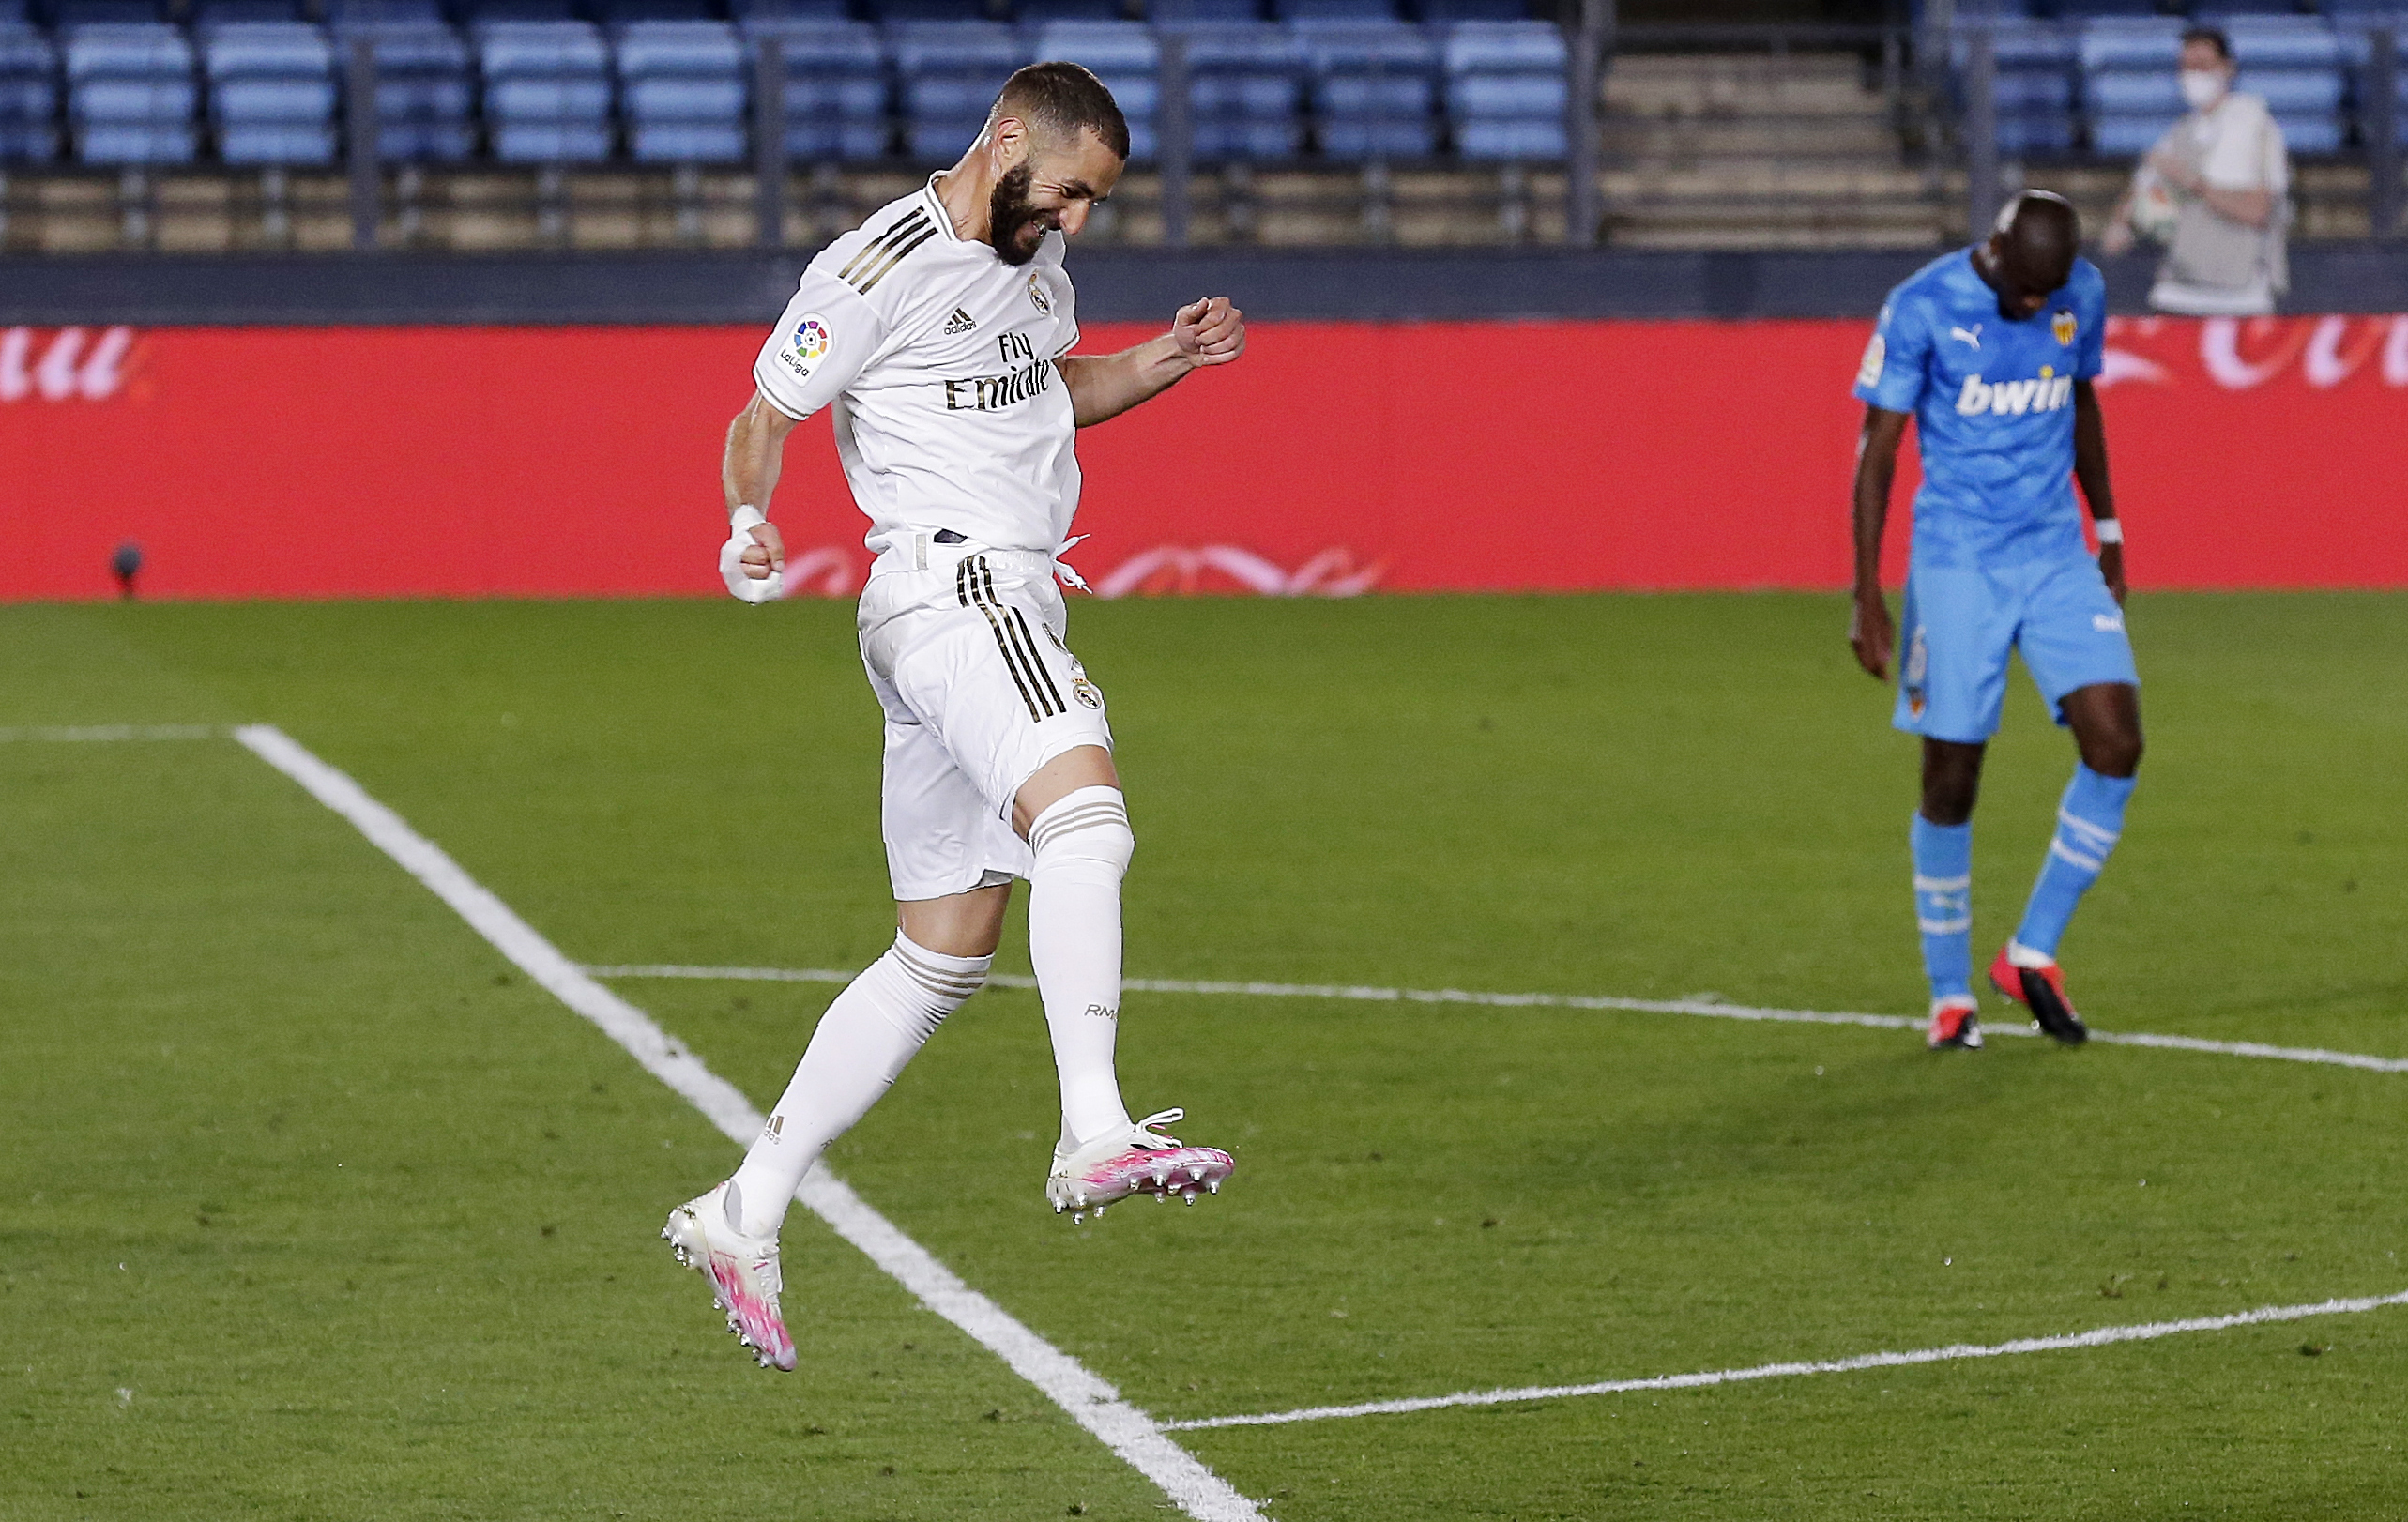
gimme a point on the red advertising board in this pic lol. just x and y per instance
(1336, 458)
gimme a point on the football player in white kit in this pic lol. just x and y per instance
(939, 332)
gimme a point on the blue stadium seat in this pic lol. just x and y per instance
(28, 95)
(950, 73)
(2296, 64)
(271, 92)
(1507, 90)
(836, 88)
(547, 91)
(1374, 89)
(1125, 57)
(1245, 83)
(131, 94)
(425, 99)
(2034, 87)
(682, 86)
(2130, 80)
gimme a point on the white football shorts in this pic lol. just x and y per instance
(967, 658)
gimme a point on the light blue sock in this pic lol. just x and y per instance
(1944, 903)
(2089, 820)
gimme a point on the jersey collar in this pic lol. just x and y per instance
(936, 209)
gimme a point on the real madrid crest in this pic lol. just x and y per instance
(1037, 297)
(2064, 326)
(1086, 692)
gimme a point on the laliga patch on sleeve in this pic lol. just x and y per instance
(1870, 372)
(808, 343)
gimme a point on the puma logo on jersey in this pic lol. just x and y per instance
(2013, 399)
(1971, 335)
(961, 322)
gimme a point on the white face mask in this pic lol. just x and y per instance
(2202, 88)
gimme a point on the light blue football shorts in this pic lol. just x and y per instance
(1961, 623)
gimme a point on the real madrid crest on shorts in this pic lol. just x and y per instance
(1088, 693)
(2063, 324)
(1037, 297)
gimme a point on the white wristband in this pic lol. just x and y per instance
(2110, 530)
(740, 587)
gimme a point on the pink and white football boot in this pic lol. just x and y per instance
(742, 1271)
(1135, 1162)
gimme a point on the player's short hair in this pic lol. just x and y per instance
(1066, 99)
(2212, 36)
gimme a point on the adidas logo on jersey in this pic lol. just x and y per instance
(2013, 399)
(961, 322)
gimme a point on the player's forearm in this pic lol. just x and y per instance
(1106, 386)
(1876, 470)
(2090, 453)
(1871, 517)
(748, 471)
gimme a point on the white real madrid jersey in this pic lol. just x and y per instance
(939, 361)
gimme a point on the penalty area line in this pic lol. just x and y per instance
(1709, 1008)
(1133, 1436)
(2098, 1337)
(69, 734)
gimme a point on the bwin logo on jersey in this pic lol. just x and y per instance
(2013, 399)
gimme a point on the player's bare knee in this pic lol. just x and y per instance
(1952, 782)
(2116, 753)
(1086, 827)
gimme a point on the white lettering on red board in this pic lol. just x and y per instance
(2241, 354)
(72, 365)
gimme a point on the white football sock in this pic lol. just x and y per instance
(863, 1041)
(1082, 844)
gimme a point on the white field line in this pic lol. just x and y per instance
(1091, 1402)
(2100, 1337)
(109, 731)
(1712, 1008)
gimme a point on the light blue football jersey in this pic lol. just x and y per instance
(1994, 405)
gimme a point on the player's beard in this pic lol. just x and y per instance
(1009, 213)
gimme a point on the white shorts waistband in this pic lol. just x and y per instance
(921, 552)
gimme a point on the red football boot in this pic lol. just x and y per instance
(2041, 990)
(1955, 1021)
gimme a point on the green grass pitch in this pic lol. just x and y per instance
(310, 1208)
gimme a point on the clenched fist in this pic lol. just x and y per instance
(1209, 332)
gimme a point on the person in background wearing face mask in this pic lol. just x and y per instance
(2227, 177)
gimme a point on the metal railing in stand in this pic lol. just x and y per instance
(769, 166)
(2379, 124)
(367, 173)
(1175, 138)
(1586, 44)
(1981, 130)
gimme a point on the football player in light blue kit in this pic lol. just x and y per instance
(1992, 351)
